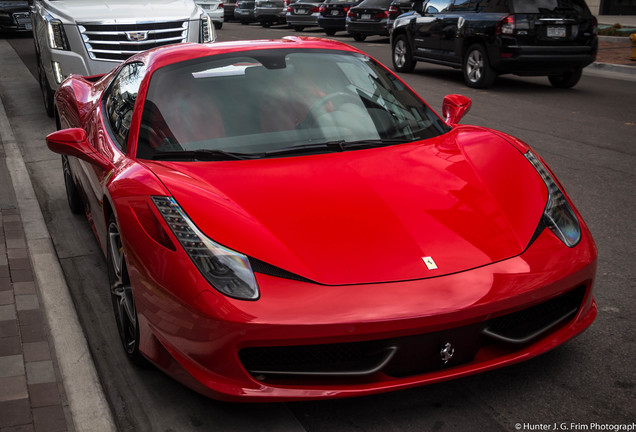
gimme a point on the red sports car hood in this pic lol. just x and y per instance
(465, 199)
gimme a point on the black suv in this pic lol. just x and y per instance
(557, 38)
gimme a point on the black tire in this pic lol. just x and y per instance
(72, 194)
(243, 22)
(266, 24)
(402, 56)
(299, 28)
(329, 32)
(218, 25)
(566, 80)
(122, 296)
(476, 68)
(359, 37)
(48, 95)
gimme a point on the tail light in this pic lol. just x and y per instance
(314, 9)
(220, 6)
(506, 25)
(351, 14)
(290, 9)
(346, 9)
(237, 5)
(383, 14)
(393, 11)
(322, 8)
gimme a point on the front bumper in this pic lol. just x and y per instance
(226, 348)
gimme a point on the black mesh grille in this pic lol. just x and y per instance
(414, 354)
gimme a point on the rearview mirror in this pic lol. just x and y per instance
(74, 142)
(455, 107)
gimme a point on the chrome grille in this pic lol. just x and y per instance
(117, 42)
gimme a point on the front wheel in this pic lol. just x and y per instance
(476, 68)
(72, 194)
(299, 28)
(330, 32)
(122, 296)
(218, 25)
(566, 80)
(402, 56)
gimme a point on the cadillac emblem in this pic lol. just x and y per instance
(447, 353)
(137, 36)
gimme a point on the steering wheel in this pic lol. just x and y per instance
(319, 107)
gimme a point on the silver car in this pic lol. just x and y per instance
(269, 12)
(214, 9)
(303, 13)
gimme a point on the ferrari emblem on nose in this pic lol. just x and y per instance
(430, 264)
(447, 352)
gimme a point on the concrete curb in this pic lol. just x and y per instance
(88, 405)
(610, 70)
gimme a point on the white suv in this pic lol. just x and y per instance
(90, 37)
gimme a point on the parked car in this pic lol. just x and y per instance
(14, 17)
(333, 14)
(92, 37)
(333, 237)
(244, 11)
(397, 8)
(269, 12)
(369, 18)
(215, 10)
(228, 10)
(553, 38)
(303, 13)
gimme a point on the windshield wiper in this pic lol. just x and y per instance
(339, 146)
(306, 148)
(202, 155)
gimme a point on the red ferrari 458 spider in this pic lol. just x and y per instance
(287, 220)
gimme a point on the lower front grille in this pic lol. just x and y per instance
(416, 354)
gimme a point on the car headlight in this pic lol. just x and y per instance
(207, 29)
(558, 214)
(56, 34)
(226, 270)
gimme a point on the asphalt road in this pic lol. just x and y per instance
(586, 134)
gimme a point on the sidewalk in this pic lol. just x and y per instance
(48, 381)
(31, 394)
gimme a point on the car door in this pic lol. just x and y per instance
(427, 33)
(452, 22)
(117, 109)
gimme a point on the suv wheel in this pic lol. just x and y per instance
(476, 68)
(402, 56)
(566, 80)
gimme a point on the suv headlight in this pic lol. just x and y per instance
(207, 29)
(56, 34)
(226, 270)
(558, 214)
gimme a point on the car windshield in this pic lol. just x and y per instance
(272, 103)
